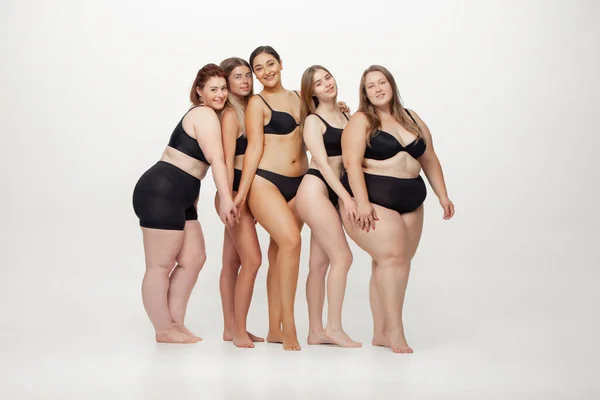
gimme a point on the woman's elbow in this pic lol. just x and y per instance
(351, 164)
(254, 151)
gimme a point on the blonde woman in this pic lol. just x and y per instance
(241, 250)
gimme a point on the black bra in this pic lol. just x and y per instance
(241, 143)
(385, 145)
(281, 123)
(186, 144)
(332, 138)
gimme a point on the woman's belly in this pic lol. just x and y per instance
(402, 165)
(284, 154)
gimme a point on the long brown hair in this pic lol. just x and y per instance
(203, 75)
(228, 65)
(308, 102)
(396, 107)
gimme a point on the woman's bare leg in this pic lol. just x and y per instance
(161, 248)
(379, 338)
(273, 213)
(316, 209)
(318, 263)
(414, 226)
(273, 295)
(190, 260)
(227, 282)
(245, 240)
(388, 245)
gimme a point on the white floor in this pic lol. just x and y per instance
(77, 330)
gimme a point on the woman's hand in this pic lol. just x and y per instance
(239, 201)
(228, 212)
(344, 107)
(350, 209)
(366, 216)
(448, 207)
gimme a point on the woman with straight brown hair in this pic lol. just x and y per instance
(385, 146)
(321, 127)
(241, 250)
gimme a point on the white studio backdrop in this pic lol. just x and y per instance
(92, 90)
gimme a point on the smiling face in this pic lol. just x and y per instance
(324, 87)
(213, 93)
(267, 69)
(240, 81)
(378, 89)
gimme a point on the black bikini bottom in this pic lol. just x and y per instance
(332, 196)
(237, 178)
(287, 185)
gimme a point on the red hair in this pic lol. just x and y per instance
(205, 73)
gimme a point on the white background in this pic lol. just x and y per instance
(502, 300)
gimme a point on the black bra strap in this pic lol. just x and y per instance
(265, 102)
(410, 115)
(347, 119)
(321, 118)
(191, 108)
(297, 94)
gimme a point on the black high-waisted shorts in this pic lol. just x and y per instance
(403, 195)
(164, 197)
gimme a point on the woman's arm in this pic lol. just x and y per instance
(353, 150)
(230, 129)
(207, 129)
(433, 169)
(253, 121)
(313, 137)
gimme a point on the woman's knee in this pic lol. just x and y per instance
(394, 259)
(193, 260)
(342, 261)
(252, 262)
(290, 241)
(319, 267)
(163, 267)
(230, 260)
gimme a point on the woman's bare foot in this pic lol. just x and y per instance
(290, 341)
(255, 338)
(243, 340)
(318, 337)
(173, 336)
(380, 340)
(186, 331)
(398, 342)
(341, 338)
(228, 337)
(275, 337)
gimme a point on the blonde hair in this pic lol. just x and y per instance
(308, 102)
(228, 65)
(396, 107)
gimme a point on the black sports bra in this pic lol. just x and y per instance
(332, 138)
(241, 143)
(186, 144)
(385, 145)
(281, 123)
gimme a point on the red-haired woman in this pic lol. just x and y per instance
(165, 199)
